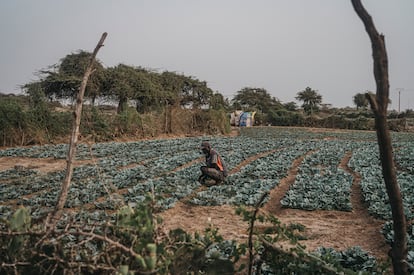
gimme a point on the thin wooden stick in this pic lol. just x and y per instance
(74, 138)
(251, 229)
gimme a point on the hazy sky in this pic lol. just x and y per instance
(282, 46)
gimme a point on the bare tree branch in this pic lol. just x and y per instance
(379, 106)
(74, 137)
(305, 257)
(251, 229)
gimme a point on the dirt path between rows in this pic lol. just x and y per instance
(43, 165)
(337, 229)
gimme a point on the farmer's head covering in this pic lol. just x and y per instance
(205, 145)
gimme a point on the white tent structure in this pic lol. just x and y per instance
(242, 119)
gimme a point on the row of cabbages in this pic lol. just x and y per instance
(124, 173)
(159, 166)
(321, 182)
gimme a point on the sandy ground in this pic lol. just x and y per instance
(43, 165)
(336, 229)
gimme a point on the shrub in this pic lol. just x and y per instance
(13, 123)
(211, 121)
(127, 122)
(94, 123)
(286, 118)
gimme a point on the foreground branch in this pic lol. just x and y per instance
(305, 257)
(379, 106)
(52, 239)
(251, 229)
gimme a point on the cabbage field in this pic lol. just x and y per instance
(116, 173)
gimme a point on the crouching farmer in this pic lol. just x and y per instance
(215, 168)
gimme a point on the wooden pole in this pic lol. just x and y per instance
(74, 137)
(379, 105)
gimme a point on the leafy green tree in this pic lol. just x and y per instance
(35, 92)
(290, 106)
(13, 122)
(360, 100)
(256, 99)
(185, 91)
(40, 113)
(147, 92)
(124, 83)
(119, 85)
(195, 93)
(218, 102)
(311, 100)
(64, 80)
(75, 65)
(172, 86)
(146, 89)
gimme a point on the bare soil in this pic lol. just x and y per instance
(336, 229)
(43, 165)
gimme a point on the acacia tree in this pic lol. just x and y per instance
(74, 65)
(119, 85)
(311, 100)
(195, 93)
(185, 91)
(379, 104)
(146, 91)
(172, 85)
(64, 80)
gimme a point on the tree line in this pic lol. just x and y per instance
(150, 103)
(150, 90)
(125, 84)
